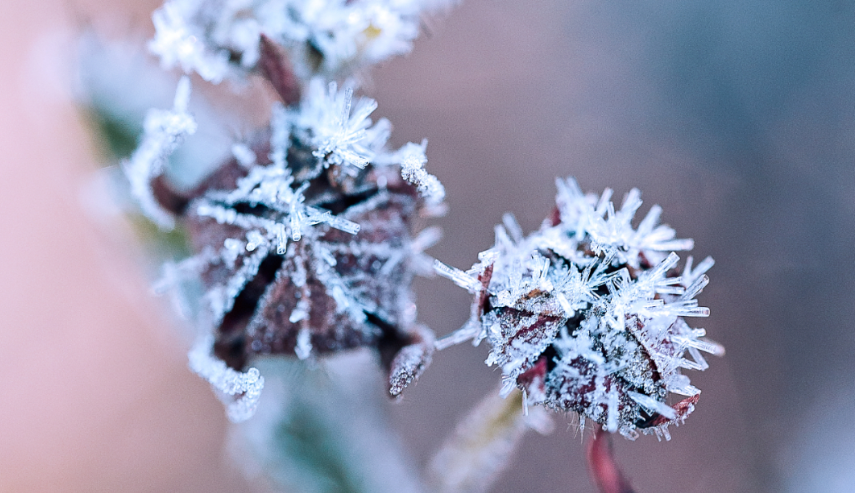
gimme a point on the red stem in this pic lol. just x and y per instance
(604, 471)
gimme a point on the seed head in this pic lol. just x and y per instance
(305, 241)
(586, 314)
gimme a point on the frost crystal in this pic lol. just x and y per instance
(322, 36)
(339, 131)
(585, 314)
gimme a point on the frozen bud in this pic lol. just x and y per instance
(307, 241)
(587, 314)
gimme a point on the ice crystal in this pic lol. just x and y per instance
(339, 130)
(586, 314)
(216, 38)
(304, 238)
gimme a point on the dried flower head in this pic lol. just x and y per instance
(586, 314)
(304, 240)
(220, 38)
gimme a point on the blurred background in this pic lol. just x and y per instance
(736, 116)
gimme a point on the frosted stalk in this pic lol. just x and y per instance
(469, 331)
(163, 133)
(412, 159)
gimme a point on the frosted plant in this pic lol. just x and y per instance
(586, 314)
(307, 237)
(220, 38)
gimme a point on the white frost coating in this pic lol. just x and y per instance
(691, 275)
(339, 131)
(246, 386)
(413, 159)
(604, 296)
(612, 412)
(653, 405)
(465, 333)
(329, 135)
(221, 298)
(271, 186)
(164, 131)
(243, 155)
(179, 40)
(200, 35)
(606, 227)
(427, 238)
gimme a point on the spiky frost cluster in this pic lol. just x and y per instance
(586, 314)
(216, 38)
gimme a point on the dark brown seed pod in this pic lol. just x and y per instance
(305, 241)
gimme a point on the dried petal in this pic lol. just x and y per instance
(275, 65)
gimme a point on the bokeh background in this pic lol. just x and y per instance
(737, 116)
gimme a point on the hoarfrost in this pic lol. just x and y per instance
(178, 41)
(163, 131)
(413, 159)
(304, 237)
(337, 128)
(246, 386)
(322, 36)
(599, 298)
